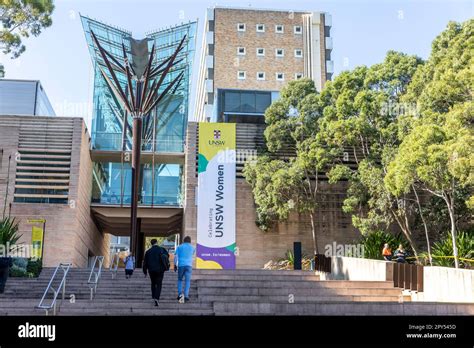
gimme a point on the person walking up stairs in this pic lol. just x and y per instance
(183, 263)
(156, 263)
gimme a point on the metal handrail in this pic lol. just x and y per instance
(114, 264)
(61, 287)
(94, 276)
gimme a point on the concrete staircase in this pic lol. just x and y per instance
(223, 292)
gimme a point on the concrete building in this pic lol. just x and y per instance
(46, 167)
(248, 55)
(24, 97)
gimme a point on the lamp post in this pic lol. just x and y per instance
(144, 80)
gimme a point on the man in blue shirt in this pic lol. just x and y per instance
(183, 263)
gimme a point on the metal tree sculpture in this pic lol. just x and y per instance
(140, 96)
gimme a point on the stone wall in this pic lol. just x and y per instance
(70, 232)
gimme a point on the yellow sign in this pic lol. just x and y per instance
(36, 221)
(37, 234)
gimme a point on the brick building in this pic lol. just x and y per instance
(46, 166)
(248, 55)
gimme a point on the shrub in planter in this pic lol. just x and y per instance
(20, 262)
(34, 267)
(16, 271)
(442, 251)
(373, 243)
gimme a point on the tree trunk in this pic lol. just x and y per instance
(450, 204)
(424, 225)
(408, 236)
(313, 231)
(406, 232)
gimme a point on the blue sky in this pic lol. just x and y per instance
(362, 31)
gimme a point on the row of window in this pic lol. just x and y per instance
(242, 75)
(279, 52)
(279, 28)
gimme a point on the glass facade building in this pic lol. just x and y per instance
(163, 130)
(24, 97)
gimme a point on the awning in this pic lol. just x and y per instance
(156, 221)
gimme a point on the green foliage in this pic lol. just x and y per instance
(23, 267)
(9, 231)
(20, 19)
(16, 271)
(442, 251)
(447, 77)
(20, 262)
(437, 215)
(34, 267)
(373, 243)
(284, 186)
(290, 257)
(407, 125)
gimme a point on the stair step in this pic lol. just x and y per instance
(221, 292)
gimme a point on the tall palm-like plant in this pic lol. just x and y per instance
(9, 231)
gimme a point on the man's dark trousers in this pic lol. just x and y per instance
(156, 282)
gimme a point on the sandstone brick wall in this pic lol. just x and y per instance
(227, 39)
(87, 238)
(70, 231)
(8, 146)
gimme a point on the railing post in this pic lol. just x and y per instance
(407, 275)
(419, 283)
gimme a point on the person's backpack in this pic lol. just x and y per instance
(165, 260)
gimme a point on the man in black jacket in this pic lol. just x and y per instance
(5, 264)
(155, 264)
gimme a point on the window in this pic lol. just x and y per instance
(280, 76)
(247, 102)
(298, 53)
(262, 101)
(298, 29)
(241, 27)
(241, 51)
(260, 52)
(239, 101)
(260, 28)
(298, 76)
(241, 75)
(261, 76)
(232, 101)
(279, 29)
(279, 52)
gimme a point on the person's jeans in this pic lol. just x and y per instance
(3, 278)
(185, 271)
(156, 282)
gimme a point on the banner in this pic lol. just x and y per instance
(216, 196)
(37, 234)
